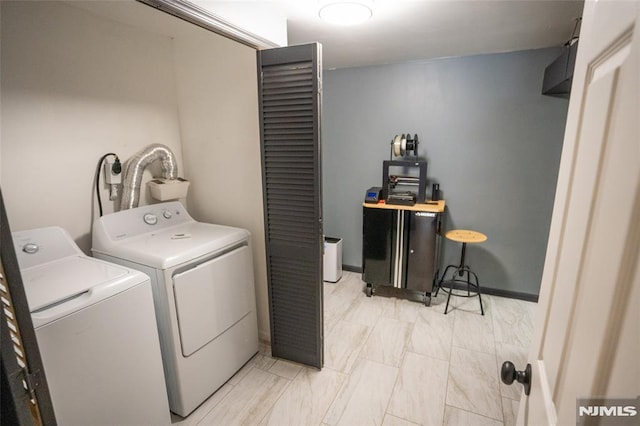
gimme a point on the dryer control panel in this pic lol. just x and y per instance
(141, 220)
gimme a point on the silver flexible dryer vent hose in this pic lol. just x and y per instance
(134, 167)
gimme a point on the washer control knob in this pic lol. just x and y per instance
(150, 219)
(167, 214)
(30, 248)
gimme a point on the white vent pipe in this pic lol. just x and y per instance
(135, 166)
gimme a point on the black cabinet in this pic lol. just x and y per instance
(421, 252)
(400, 249)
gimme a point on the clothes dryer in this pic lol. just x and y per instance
(95, 327)
(202, 280)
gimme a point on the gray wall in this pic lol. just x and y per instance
(492, 142)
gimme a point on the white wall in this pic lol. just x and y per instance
(78, 82)
(76, 86)
(221, 142)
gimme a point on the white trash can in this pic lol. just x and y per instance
(332, 259)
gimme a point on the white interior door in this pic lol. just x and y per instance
(587, 336)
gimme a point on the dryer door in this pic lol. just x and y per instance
(212, 297)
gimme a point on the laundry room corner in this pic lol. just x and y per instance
(76, 85)
(136, 81)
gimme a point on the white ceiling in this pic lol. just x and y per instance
(400, 30)
(405, 30)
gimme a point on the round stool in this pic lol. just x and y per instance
(463, 236)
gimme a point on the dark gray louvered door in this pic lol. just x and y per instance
(25, 392)
(290, 98)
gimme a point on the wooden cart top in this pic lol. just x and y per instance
(429, 206)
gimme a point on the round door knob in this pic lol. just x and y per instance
(508, 374)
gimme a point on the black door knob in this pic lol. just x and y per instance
(508, 374)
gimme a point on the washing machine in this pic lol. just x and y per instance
(95, 327)
(203, 288)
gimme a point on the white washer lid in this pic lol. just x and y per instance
(57, 281)
(54, 271)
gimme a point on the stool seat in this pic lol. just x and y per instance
(466, 236)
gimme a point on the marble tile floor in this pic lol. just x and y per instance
(388, 361)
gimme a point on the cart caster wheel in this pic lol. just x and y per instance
(369, 291)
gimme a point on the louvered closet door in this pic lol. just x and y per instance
(19, 347)
(290, 96)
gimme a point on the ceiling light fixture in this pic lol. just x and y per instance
(346, 12)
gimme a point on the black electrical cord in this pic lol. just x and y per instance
(117, 167)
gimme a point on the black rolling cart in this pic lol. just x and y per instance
(401, 247)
